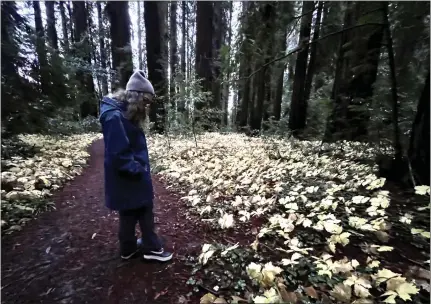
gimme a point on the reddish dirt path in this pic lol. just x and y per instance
(55, 260)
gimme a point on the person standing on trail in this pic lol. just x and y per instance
(128, 185)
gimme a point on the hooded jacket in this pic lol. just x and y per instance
(128, 182)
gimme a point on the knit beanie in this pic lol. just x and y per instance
(138, 82)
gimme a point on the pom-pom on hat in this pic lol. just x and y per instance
(138, 82)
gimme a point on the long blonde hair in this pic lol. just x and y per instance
(136, 102)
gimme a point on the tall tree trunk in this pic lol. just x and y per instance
(217, 40)
(267, 13)
(40, 49)
(59, 94)
(394, 85)
(155, 16)
(80, 16)
(140, 65)
(298, 104)
(71, 20)
(204, 54)
(326, 52)
(313, 52)
(245, 96)
(121, 48)
(228, 70)
(64, 27)
(419, 150)
(103, 57)
(353, 84)
(182, 100)
(204, 35)
(89, 7)
(50, 24)
(174, 52)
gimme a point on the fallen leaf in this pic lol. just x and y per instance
(93, 236)
(382, 236)
(48, 249)
(287, 296)
(310, 291)
(220, 301)
(342, 293)
(208, 298)
(236, 300)
(405, 290)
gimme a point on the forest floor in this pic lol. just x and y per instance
(70, 255)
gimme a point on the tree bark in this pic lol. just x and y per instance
(121, 49)
(40, 49)
(298, 104)
(228, 70)
(419, 150)
(103, 55)
(174, 52)
(264, 43)
(83, 50)
(155, 16)
(64, 27)
(140, 65)
(204, 54)
(394, 85)
(245, 65)
(356, 73)
(71, 30)
(313, 52)
(182, 100)
(50, 24)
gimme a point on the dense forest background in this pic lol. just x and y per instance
(315, 70)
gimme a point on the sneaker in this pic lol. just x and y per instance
(160, 255)
(126, 257)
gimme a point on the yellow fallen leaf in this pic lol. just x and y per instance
(208, 299)
(405, 290)
(342, 293)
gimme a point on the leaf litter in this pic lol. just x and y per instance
(331, 227)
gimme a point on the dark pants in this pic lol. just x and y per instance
(128, 220)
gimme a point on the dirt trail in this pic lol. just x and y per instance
(54, 259)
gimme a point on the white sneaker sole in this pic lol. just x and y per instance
(157, 257)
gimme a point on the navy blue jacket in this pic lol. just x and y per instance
(128, 182)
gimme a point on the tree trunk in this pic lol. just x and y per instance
(356, 73)
(154, 16)
(218, 35)
(298, 104)
(419, 150)
(64, 27)
(245, 64)
(204, 35)
(228, 70)
(40, 49)
(264, 43)
(174, 53)
(182, 100)
(71, 19)
(50, 24)
(103, 57)
(204, 55)
(394, 86)
(313, 52)
(140, 65)
(83, 49)
(121, 48)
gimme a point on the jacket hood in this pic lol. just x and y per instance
(108, 105)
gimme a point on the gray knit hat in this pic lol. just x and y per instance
(138, 82)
